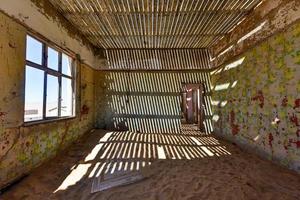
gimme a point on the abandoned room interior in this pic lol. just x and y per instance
(149, 99)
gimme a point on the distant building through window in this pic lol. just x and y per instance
(49, 82)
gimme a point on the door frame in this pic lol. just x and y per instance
(199, 112)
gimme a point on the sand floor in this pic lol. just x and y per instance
(189, 165)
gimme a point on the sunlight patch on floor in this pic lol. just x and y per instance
(125, 151)
(74, 177)
(161, 152)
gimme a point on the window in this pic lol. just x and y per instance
(49, 82)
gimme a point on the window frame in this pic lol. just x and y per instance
(56, 73)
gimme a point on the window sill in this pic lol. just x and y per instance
(47, 121)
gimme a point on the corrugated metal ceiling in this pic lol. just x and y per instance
(119, 24)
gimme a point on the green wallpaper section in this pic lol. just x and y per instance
(256, 98)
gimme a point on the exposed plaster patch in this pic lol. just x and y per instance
(84, 110)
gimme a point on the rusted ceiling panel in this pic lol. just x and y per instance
(115, 24)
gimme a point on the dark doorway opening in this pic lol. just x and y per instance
(193, 104)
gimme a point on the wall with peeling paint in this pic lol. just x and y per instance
(24, 147)
(145, 101)
(256, 98)
(41, 17)
(271, 17)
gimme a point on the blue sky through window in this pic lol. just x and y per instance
(52, 59)
(34, 85)
(34, 50)
(34, 94)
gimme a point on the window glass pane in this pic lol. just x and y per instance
(66, 97)
(34, 94)
(52, 96)
(34, 50)
(52, 59)
(66, 65)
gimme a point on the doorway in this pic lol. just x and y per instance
(193, 104)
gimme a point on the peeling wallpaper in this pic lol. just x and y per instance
(256, 98)
(24, 147)
(271, 17)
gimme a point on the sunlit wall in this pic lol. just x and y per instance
(256, 98)
(146, 101)
(142, 90)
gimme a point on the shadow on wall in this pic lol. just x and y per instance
(147, 102)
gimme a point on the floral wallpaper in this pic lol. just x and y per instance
(256, 98)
